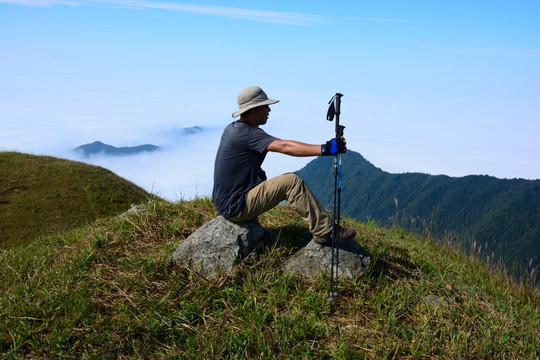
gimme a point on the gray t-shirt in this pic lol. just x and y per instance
(239, 157)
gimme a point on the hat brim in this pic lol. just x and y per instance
(264, 102)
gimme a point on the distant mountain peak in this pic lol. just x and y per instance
(192, 130)
(98, 147)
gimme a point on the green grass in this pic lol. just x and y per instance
(41, 195)
(108, 290)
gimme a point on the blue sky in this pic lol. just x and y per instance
(436, 87)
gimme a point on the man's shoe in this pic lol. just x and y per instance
(345, 235)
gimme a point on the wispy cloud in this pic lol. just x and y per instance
(502, 52)
(38, 3)
(278, 17)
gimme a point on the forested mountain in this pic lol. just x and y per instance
(499, 216)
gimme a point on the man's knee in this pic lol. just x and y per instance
(295, 187)
(293, 179)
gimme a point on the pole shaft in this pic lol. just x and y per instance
(337, 200)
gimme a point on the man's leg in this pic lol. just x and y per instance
(292, 188)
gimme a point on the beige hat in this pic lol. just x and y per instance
(251, 97)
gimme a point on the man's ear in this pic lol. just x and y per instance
(247, 113)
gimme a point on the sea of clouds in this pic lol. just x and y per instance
(181, 169)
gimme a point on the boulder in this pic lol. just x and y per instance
(313, 259)
(219, 244)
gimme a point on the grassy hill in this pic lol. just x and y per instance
(107, 290)
(41, 195)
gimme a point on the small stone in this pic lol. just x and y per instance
(135, 209)
(436, 300)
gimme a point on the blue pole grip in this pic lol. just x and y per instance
(334, 149)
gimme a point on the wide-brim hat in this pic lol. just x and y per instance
(251, 97)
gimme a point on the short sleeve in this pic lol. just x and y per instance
(259, 140)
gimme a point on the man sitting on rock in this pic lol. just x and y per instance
(242, 192)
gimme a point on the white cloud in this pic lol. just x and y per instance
(279, 17)
(183, 168)
(39, 3)
(171, 173)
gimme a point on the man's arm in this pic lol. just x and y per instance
(294, 148)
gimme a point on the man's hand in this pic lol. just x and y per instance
(333, 147)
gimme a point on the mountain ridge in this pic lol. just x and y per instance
(501, 215)
(98, 147)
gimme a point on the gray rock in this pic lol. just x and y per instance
(219, 244)
(311, 260)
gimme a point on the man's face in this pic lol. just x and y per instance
(263, 112)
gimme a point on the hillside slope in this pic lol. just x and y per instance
(109, 290)
(40, 195)
(501, 216)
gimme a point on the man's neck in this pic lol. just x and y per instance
(250, 120)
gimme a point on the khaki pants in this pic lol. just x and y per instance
(292, 188)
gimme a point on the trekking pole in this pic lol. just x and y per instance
(335, 109)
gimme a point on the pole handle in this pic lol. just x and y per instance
(334, 108)
(339, 131)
